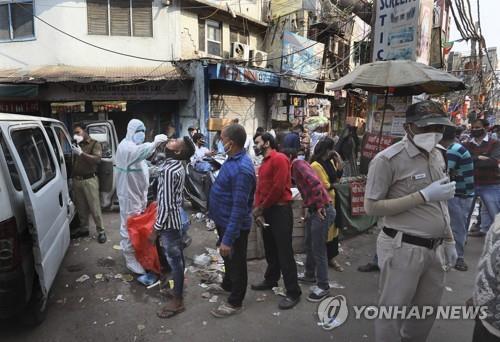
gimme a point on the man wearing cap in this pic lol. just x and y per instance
(408, 188)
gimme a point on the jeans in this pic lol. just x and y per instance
(316, 232)
(490, 196)
(459, 209)
(278, 249)
(236, 275)
(171, 243)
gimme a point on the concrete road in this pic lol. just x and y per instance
(89, 311)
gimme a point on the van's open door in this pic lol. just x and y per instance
(43, 190)
(104, 132)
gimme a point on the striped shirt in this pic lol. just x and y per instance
(170, 187)
(461, 167)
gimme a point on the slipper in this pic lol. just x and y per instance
(170, 312)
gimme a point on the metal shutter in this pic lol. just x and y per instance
(201, 35)
(97, 17)
(142, 18)
(120, 17)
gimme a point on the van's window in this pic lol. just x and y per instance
(63, 140)
(102, 134)
(53, 142)
(35, 154)
(14, 176)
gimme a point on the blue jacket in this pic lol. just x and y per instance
(231, 197)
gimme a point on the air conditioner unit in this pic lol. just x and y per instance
(240, 51)
(258, 58)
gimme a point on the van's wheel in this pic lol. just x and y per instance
(36, 309)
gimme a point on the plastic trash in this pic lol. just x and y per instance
(335, 285)
(279, 291)
(119, 298)
(147, 279)
(117, 247)
(202, 260)
(213, 299)
(83, 278)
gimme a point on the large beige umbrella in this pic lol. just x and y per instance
(398, 77)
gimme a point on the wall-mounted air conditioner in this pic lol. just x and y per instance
(240, 51)
(258, 58)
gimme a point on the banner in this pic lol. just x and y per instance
(357, 198)
(227, 72)
(301, 56)
(402, 30)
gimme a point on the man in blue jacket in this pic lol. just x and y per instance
(230, 206)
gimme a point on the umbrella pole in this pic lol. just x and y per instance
(383, 119)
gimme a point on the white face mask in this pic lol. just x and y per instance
(427, 141)
(78, 138)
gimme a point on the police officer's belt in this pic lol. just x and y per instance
(92, 175)
(414, 240)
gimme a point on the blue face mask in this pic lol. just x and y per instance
(139, 137)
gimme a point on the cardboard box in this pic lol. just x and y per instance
(217, 124)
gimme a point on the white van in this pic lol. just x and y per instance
(36, 211)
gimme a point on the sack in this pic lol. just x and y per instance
(139, 229)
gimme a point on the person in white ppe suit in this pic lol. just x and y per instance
(132, 182)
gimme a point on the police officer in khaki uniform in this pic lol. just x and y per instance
(86, 157)
(408, 189)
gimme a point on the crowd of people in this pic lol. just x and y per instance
(423, 188)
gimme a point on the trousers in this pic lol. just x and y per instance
(316, 231)
(409, 276)
(87, 202)
(459, 209)
(236, 275)
(278, 248)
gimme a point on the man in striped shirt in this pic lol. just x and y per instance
(168, 226)
(461, 170)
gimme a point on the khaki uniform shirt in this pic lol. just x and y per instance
(83, 167)
(403, 169)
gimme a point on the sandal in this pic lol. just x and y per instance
(225, 310)
(168, 312)
(335, 265)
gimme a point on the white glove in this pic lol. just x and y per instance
(77, 150)
(441, 190)
(450, 254)
(159, 139)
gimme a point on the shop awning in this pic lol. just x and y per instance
(64, 73)
(18, 90)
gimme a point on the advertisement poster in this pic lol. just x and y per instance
(403, 30)
(301, 56)
(394, 114)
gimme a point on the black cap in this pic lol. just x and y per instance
(426, 113)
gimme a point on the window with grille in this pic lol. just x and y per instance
(120, 17)
(210, 37)
(16, 21)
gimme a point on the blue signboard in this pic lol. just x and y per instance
(241, 74)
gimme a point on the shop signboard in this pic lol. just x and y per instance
(301, 56)
(155, 90)
(298, 84)
(402, 30)
(19, 106)
(240, 74)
